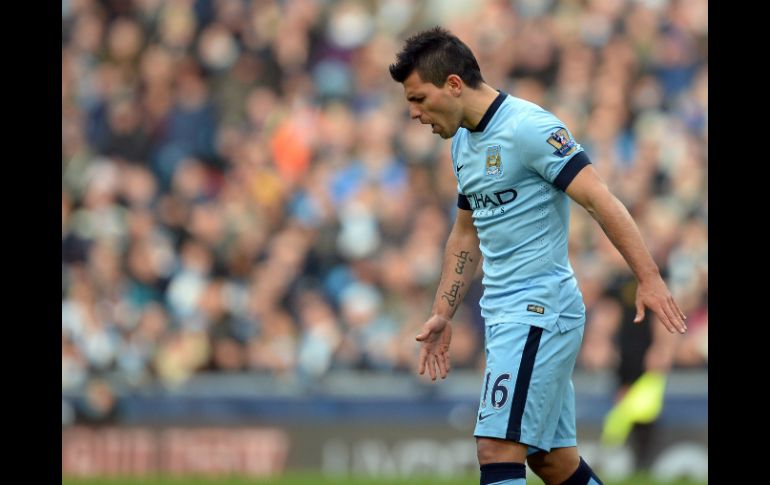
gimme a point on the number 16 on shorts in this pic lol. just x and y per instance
(499, 394)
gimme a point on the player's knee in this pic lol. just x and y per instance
(486, 451)
(553, 467)
(491, 450)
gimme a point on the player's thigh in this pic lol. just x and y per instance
(500, 405)
(558, 428)
(527, 370)
(549, 413)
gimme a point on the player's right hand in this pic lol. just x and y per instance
(434, 354)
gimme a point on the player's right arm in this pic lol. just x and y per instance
(461, 258)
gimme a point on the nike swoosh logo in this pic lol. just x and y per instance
(482, 418)
(459, 167)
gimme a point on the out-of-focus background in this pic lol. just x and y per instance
(252, 230)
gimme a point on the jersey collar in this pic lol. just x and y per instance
(490, 112)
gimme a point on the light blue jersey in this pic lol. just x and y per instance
(511, 172)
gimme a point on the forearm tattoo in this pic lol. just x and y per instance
(451, 295)
(462, 258)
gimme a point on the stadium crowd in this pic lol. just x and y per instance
(242, 188)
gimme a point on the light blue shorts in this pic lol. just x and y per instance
(527, 394)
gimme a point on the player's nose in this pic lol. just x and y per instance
(414, 112)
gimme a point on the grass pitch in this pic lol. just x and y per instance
(315, 479)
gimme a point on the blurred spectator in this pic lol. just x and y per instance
(99, 406)
(240, 190)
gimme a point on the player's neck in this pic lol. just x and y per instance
(477, 102)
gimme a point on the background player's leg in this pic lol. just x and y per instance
(502, 461)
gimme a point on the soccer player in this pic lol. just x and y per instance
(515, 164)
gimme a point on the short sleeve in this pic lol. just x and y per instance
(454, 149)
(462, 200)
(547, 147)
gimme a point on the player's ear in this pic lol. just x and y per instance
(455, 84)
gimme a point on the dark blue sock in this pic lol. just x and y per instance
(498, 472)
(583, 476)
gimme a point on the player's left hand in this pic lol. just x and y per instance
(653, 294)
(434, 354)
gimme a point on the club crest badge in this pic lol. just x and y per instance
(494, 162)
(562, 142)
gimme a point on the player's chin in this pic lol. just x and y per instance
(438, 130)
(443, 133)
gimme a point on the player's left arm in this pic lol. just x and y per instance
(590, 191)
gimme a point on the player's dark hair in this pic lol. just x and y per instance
(435, 54)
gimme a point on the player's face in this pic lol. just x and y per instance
(432, 105)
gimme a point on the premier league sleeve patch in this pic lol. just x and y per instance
(562, 142)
